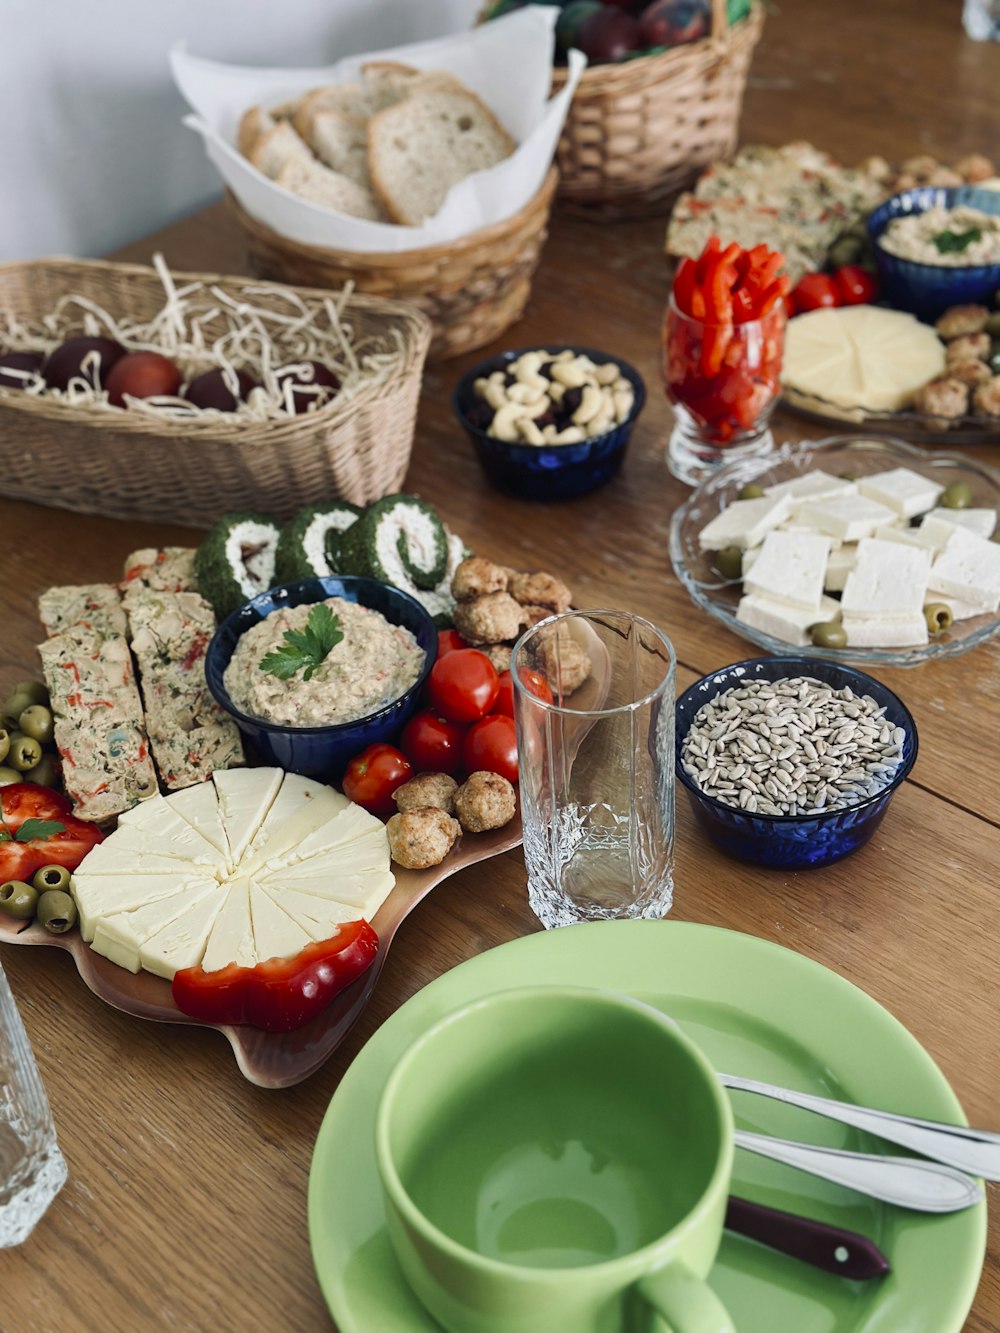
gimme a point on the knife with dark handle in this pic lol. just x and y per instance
(845, 1253)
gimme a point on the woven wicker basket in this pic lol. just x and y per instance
(134, 467)
(639, 132)
(472, 289)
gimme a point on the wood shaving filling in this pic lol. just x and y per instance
(201, 328)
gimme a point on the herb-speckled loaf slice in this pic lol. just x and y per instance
(91, 605)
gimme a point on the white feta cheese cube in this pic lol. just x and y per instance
(888, 532)
(968, 568)
(888, 582)
(812, 486)
(849, 517)
(980, 521)
(842, 560)
(905, 492)
(868, 633)
(788, 623)
(790, 569)
(748, 559)
(744, 523)
(800, 525)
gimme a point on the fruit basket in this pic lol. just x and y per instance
(640, 130)
(136, 465)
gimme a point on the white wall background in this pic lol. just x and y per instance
(93, 152)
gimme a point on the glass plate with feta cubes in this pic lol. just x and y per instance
(851, 533)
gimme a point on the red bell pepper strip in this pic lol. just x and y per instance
(712, 247)
(684, 286)
(283, 993)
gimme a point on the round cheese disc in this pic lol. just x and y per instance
(860, 357)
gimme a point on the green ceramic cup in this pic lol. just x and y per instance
(557, 1160)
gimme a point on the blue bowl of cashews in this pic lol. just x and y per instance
(549, 423)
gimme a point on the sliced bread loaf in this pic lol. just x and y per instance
(310, 180)
(276, 147)
(341, 143)
(422, 146)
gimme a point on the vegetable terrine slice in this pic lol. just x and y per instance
(166, 569)
(191, 736)
(98, 721)
(96, 606)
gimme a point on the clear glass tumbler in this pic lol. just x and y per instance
(32, 1169)
(596, 766)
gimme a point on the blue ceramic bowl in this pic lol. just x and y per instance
(548, 471)
(321, 752)
(791, 842)
(927, 290)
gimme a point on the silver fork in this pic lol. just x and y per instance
(976, 1151)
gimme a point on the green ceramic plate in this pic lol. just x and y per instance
(757, 1010)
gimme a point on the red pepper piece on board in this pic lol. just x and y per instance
(280, 994)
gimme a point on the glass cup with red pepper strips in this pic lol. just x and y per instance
(723, 338)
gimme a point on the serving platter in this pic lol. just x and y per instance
(856, 454)
(756, 1010)
(272, 1059)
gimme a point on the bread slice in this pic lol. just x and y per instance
(310, 180)
(285, 110)
(276, 147)
(341, 143)
(255, 123)
(387, 82)
(346, 99)
(422, 146)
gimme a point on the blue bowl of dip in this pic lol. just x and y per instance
(546, 471)
(321, 752)
(791, 842)
(927, 290)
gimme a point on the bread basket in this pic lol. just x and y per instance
(640, 131)
(135, 466)
(471, 289)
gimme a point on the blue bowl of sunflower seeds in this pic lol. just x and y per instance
(791, 762)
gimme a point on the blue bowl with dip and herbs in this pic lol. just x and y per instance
(549, 468)
(366, 661)
(944, 248)
(844, 747)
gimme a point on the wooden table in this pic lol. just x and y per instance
(185, 1207)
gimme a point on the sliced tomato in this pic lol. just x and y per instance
(372, 776)
(432, 743)
(492, 745)
(463, 685)
(56, 839)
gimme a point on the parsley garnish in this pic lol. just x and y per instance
(38, 828)
(305, 648)
(954, 242)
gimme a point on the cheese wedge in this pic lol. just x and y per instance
(181, 942)
(121, 936)
(199, 805)
(245, 797)
(231, 938)
(97, 896)
(319, 917)
(278, 838)
(275, 933)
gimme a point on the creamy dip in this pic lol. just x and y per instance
(936, 237)
(373, 664)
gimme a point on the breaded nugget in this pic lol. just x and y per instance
(477, 576)
(489, 619)
(427, 789)
(968, 347)
(499, 654)
(960, 320)
(485, 801)
(421, 838)
(974, 167)
(944, 399)
(970, 372)
(540, 589)
(563, 663)
(533, 614)
(987, 397)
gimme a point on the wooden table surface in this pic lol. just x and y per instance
(185, 1207)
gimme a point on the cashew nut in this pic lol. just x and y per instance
(521, 393)
(606, 374)
(495, 395)
(569, 373)
(590, 404)
(530, 431)
(571, 435)
(623, 399)
(504, 426)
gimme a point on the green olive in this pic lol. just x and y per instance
(16, 703)
(828, 634)
(56, 911)
(34, 689)
(36, 722)
(45, 772)
(729, 562)
(51, 877)
(25, 754)
(9, 775)
(938, 616)
(18, 899)
(956, 496)
(751, 491)
(4, 743)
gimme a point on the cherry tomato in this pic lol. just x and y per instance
(449, 640)
(813, 291)
(534, 681)
(432, 743)
(855, 285)
(492, 745)
(463, 685)
(373, 775)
